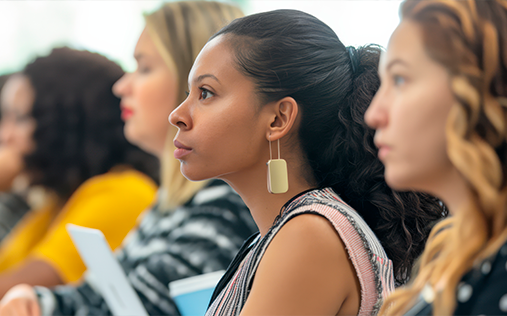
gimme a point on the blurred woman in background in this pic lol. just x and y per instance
(62, 120)
(13, 205)
(194, 227)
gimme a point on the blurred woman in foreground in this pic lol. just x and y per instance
(441, 127)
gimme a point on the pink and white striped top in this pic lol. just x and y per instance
(373, 267)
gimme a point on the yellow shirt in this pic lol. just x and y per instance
(110, 202)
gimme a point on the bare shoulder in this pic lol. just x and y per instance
(305, 270)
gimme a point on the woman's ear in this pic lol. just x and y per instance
(284, 114)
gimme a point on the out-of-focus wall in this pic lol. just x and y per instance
(30, 28)
(111, 27)
(357, 22)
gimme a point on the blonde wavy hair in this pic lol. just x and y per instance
(180, 30)
(468, 38)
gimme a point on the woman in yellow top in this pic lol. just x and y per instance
(60, 115)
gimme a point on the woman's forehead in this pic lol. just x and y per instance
(215, 61)
(17, 94)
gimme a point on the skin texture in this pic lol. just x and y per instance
(224, 132)
(147, 95)
(16, 128)
(150, 92)
(409, 113)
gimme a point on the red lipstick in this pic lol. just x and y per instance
(126, 113)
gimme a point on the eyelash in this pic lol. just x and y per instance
(187, 93)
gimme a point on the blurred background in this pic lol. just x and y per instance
(32, 28)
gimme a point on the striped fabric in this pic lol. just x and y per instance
(12, 208)
(373, 267)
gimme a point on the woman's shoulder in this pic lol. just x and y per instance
(483, 290)
(304, 255)
(347, 221)
(121, 177)
(313, 234)
(316, 200)
(126, 181)
(372, 266)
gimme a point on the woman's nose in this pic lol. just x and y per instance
(376, 115)
(179, 117)
(121, 87)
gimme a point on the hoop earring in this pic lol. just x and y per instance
(278, 181)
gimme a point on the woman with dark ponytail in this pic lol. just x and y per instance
(280, 89)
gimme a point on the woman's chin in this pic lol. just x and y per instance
(144, 143)
(130, 134)
(396, 182)
(192, 176)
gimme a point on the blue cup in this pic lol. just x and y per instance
(192, 295)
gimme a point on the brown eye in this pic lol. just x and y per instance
(205, 94)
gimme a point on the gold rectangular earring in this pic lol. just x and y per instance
(278, 181)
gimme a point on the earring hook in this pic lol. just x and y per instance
(270, 151)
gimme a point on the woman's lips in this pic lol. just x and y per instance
(383, 151)
(126, 113)
(383, 148)
(181, 150)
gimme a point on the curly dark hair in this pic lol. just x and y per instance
(291, 53)
(79, 131)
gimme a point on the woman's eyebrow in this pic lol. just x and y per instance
(395, 62)
(202, 77)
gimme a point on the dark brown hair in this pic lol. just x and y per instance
(79, 132)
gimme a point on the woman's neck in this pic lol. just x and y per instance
(251, 185)
(453, 191)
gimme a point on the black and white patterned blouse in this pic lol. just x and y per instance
(201, 236)
(12, 208)
(482, 291)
